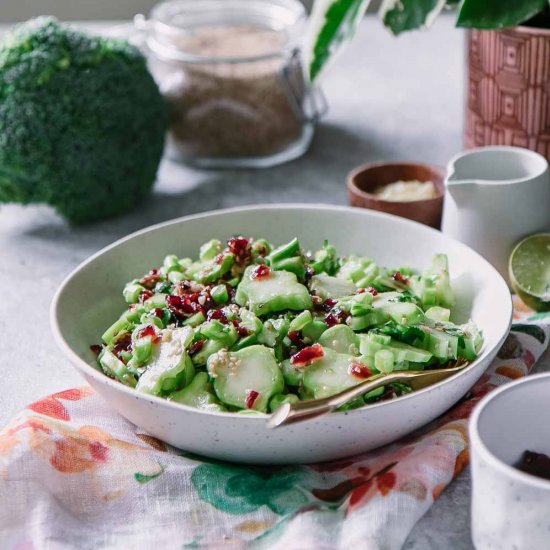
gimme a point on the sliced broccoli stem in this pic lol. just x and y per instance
(279, 291)
(341, 339)
(331, 374)
(114, 367)
(247, 378)
(170, 367)
(198, 394)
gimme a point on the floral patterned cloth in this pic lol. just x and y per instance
(74, 474)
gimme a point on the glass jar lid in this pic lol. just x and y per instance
(174, 28)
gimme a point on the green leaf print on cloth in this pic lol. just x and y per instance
(539, 316)
(241, 490)
(145, 478)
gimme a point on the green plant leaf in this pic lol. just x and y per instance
(332, 25)
(497, 14)
(407, 15)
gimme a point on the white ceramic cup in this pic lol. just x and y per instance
(510, 509)
(494, 197)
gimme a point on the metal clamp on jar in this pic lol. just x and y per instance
(231, 71)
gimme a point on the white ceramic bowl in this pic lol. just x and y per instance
(510, 509)
(90, 298)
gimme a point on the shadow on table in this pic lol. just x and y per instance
(317, 177)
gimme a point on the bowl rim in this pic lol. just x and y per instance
(87, 369)
(477, 443)
(354, 189)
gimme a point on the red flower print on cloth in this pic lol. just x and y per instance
(52, 406)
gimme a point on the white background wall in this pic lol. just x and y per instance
(19, 10)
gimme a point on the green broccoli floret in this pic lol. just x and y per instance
(82, 122)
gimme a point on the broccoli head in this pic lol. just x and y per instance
(82, 122)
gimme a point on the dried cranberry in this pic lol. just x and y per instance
(359, 370)
(145, 295)
(195, 347)
(231, 291)
(328, 304)
(149, 330)
(336, 317)
(186, 305)
(261, 272)
(217, 314)
(261, 250)
(123, 338)
(96, 348)
(369, 289)
(151, 279)
(307, 355)
(295, 337)
(238, 245)
(331, 320)
(251, 396)
(192, 306)
(400, 278)
(205, 299)
(157, 312)
(174, 304)
(124, 343)
(174, 301)
(242, 331)
(191, 298)
(240, 248)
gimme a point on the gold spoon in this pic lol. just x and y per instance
(288, 413)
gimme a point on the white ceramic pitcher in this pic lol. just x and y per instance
(494, 197)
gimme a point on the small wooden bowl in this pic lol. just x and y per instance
(362, 181)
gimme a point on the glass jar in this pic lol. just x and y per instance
(232, 74)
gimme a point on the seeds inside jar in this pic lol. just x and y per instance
(232, 109)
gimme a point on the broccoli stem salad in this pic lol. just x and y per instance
(247, 326)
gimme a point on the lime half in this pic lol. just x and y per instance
(529, 270)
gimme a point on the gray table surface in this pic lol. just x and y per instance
(389, 99)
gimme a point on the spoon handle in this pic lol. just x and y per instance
(289, 413)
